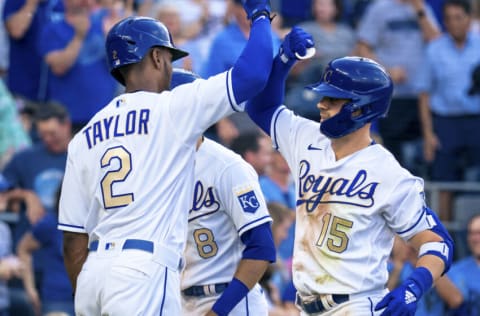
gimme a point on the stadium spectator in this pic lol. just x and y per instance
(12, 134)
(277, 186)
(24, 20)
(450, 116)
(255, 148)
(55, 294)
(465, 273)
(10, 267)
(40, 169)
(224, 51)
(278, 274)
(3, 46)
(74, 50)
(395, 33)
(332, 39)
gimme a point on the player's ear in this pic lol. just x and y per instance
(159, 56)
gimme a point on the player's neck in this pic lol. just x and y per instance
(351, 143)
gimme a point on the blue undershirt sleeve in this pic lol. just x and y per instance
(262, 107)
(251, 70)
(259, 243)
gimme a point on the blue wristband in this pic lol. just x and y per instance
(233, 294)
(422, 279)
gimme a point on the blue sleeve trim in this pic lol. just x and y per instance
(72, 226)
(413, 226)
(229, 92)
(250, 223)
(275, 143)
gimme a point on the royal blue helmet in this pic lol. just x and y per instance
(130, 39)
(181, 76)
(365, 83)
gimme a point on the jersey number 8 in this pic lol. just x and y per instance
(206, 245)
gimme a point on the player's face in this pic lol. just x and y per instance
(329, 107)
(54, 134)
(474, 237)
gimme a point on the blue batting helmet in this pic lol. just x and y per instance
(130, 39)
(365, 83)
(181, 76)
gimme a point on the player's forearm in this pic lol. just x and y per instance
(251, 271)
(75, 252)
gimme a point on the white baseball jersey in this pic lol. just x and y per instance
(227, 201)
(130, 170)
(348, 210)
(129, 175)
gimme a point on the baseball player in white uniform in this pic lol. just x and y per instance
(229, 234)
(129, 177)
(352, 195)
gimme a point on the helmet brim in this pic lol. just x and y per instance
(326, 90)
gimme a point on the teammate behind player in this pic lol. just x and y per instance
(229, 234)
(352, 195)
(129, 176)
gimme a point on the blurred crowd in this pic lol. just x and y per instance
(54, 77)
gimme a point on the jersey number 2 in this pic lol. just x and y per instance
(118, 175)
(337, 240)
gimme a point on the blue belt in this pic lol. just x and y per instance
(316, 306)
(203, 290)
(137, 244)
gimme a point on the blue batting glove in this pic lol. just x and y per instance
(295, 45)
(403, 300)
(256, 8)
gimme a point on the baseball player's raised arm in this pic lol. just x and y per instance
(262, 107)
(251, 70)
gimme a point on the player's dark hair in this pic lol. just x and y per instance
(246, 142)
(464, 4)
(51, 110)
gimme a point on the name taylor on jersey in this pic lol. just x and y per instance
(313, 190)
(119, 125)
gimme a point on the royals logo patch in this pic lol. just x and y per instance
(249, 201)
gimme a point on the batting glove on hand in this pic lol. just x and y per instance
(256, 8)
(297, 44)
(403, 300)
